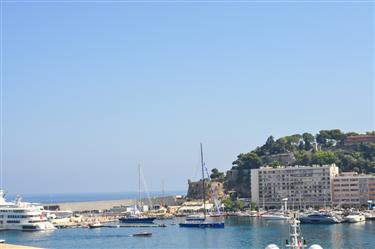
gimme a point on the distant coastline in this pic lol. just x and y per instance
(89, 197)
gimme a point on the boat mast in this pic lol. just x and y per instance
(203, 188)
(163, 194)
(139, 187)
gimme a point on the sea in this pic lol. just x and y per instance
(239, 233)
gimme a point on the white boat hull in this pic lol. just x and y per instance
(275, 217)
(355, 218)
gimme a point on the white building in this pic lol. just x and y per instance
(304, 186)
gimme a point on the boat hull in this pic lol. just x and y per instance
(141, 220)
(355, 218)
(203, 225)
(272, 217)
(307, 220)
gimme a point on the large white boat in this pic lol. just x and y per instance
(24, 216)
(354, 218)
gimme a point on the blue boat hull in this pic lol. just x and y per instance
(307, 220)
(134, 220)
(203, 225)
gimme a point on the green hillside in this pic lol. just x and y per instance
(350, 151)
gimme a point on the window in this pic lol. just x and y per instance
(13, 221)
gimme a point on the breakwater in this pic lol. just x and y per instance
(107, 204)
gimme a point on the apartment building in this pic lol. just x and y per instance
(304, 186)
(353, 190)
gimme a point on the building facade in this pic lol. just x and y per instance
(304, 186)
(353, 190)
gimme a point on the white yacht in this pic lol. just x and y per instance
(20, 215)
(354, 218)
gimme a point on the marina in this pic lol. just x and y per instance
(239, 232)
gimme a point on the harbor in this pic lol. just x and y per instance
(240, 232)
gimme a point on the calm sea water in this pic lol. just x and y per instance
(78, 197)
(240, 232)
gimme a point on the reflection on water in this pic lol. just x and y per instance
(240, 232)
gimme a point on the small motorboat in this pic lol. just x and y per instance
(354, 218)
(95, 225)
(142, 234)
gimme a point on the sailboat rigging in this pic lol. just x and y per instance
(202, 222)
(136, 216)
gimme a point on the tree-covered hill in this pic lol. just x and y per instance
(326, 147)
(350, 151)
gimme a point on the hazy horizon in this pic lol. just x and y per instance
(90, 90)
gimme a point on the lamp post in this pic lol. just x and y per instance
(285, 200)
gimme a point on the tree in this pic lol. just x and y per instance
(322, 137)
(351, 134)
(216, 175)
(275, 164)
(301, 145)
(253, 205)
(293, 139)
(232, 205)
(280, 146)
(303, 158)
(324, 157)
(308, 139)
(248, 161)
(337, 135)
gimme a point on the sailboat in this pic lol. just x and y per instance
(202, 222)
(136, 216)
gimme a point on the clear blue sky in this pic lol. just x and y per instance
(91, 89)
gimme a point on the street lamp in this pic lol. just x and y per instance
(285, 200)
